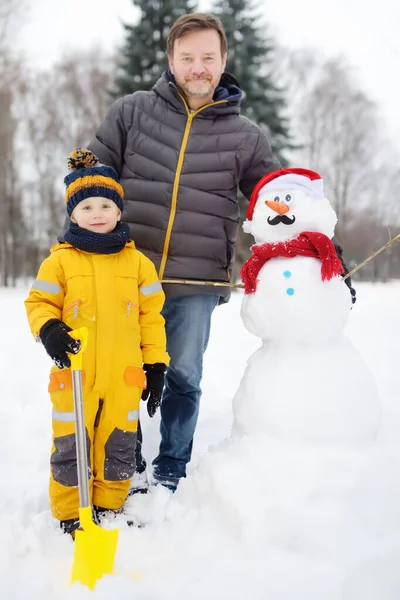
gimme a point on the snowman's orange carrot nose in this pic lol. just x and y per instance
(278, 207)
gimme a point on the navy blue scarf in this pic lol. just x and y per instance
(100, 243)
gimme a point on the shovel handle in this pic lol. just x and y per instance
(80, 431)
(76, 359)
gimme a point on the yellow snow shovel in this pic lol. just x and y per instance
(95, 547)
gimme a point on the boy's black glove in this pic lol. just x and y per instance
(155, 385)
(54, 337)
(347, 281)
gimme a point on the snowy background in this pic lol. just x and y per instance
(255, 518)
(368, 38)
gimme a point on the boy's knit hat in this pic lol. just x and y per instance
(89, 178)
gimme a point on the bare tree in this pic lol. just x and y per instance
(61, 110)
(11, 14)
(5, 152)
(340, 135)
(11, 223)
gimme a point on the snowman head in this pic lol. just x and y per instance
(287, 202)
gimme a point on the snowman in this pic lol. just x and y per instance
(306, 383)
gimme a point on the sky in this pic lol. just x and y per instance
(259, 516)
(365, 33)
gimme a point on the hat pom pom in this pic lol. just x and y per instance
(81, 158)
(247, 226)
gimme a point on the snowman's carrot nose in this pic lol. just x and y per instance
(278, 207)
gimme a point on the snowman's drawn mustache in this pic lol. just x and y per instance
(281, 219)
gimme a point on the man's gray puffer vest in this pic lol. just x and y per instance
(180, 170)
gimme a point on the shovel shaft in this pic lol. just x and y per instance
(80, 432)
(80, 436)
(95, 548)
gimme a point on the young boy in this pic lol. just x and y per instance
(97, 279)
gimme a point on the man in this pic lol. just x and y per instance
(181, 151)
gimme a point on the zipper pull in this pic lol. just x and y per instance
(76, 308)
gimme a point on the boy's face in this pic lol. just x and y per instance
(96, 214)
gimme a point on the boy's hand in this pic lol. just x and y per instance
(57, 342)
(155, 385)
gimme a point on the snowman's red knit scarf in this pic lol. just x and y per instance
(308, 243)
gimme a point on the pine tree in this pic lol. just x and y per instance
(143, 55)
(249, 59)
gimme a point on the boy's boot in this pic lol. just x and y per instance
(139, 484)
(69, 526)
(99, 513)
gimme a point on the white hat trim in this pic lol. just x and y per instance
(292, 181)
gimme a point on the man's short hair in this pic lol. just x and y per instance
(196, 22)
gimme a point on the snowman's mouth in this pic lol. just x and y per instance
(281, 219)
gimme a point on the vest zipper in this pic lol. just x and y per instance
(177, 179)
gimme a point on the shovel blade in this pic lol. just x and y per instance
(94, 552)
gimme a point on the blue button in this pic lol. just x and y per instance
(290, 291)
(287, 274)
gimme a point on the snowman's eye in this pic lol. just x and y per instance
(277, 199)
(288, 197)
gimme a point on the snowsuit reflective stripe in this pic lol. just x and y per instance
(119, 299)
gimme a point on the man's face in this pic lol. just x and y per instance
(197, 65)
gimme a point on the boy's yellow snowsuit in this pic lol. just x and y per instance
(118, 297)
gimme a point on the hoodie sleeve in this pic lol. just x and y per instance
(262, 162)
(152, 324)
(46, 296)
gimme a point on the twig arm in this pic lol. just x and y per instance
(373, 255)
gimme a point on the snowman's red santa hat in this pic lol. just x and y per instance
(286, 179)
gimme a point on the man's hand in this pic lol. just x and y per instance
(155, 385)
(54, 337)
(339, 252)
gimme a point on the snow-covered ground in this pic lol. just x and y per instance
(256, 518)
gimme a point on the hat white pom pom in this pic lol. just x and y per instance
(247, 226)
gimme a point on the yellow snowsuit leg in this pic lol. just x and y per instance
(115, 443)
(111, 419)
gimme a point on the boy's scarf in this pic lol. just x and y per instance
(308, 243)
(100, 243)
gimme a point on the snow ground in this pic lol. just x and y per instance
(255, 518)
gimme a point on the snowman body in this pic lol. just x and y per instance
(320, 393)
(292, 303)
(307, 383)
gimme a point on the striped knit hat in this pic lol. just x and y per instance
(89, 178)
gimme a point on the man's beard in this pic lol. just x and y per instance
(194, 90)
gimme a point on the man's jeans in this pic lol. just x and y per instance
(187, 321)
